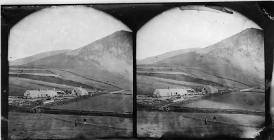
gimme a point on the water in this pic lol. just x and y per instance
(234, 100)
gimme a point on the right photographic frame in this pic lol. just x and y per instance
(200, 72)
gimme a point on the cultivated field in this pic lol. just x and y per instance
(191, 72)
(88, 80)
(51, 79)
(29, 70)
(180, 77)
(17, 86)
(24, 78)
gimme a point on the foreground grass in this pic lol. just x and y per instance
(50, 126)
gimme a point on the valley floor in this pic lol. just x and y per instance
(62, 122)
(164, 124)
(52, 126)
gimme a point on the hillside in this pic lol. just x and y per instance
(36, 57)
(112, 53)
(238, 58)
(154, 59)
(244, 50)
(108, 60)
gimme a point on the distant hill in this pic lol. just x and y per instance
(154, 59)
(36, 57)
(239, 57)
(108, 59)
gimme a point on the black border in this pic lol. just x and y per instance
(134, 88)
(142, 13)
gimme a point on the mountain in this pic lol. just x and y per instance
(108, 59)
(113, 53)
(239, 58)
(154, 59)
(36, 57)
(244, 50)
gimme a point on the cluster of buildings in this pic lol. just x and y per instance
(33, 98)
(78, 91)
(182, 92)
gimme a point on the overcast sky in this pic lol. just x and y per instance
(58, 28)
(177, 29)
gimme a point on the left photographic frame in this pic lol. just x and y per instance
(70, 72)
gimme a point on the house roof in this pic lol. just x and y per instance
(80, 89)
(171, 90)
(41, 91)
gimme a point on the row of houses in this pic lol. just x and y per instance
(78, 91)
(166, 93)
(182, 92)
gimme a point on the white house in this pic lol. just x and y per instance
(78, 91)
(209, 90)
(40, 93)
(167, 93)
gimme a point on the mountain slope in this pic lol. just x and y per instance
(113, 53)
(239, 57)
(108, 59)
(245, 50)
(154, 59)
(36, 57)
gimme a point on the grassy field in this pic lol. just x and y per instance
(180, 77)
(56, 76)
(50, 126)
(67, 75)
(106, 102)
(51, 79)
(195, 73)
(22, 79)
(17, 86)
(150, 78)
(158, 124)
(147, 84)
(22, 70)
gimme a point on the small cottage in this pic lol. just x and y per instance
(40, 93)
(79, 91)
(209, 89)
